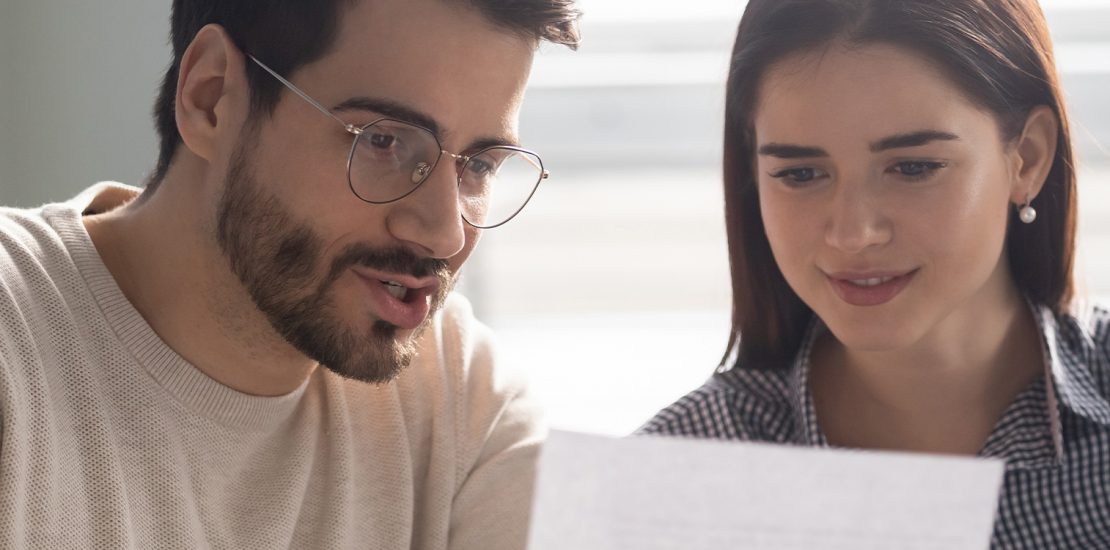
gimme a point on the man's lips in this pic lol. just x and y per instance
(409, 310)
(869, 288)
(408, 281)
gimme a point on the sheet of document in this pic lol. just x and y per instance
(656, 493)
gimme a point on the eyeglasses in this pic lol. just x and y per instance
(390, 158)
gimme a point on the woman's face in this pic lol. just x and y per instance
(884, 193)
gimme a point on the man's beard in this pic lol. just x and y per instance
(276, 260)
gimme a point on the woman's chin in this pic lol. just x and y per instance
(872, 337)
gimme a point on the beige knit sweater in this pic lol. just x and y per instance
(111, 440)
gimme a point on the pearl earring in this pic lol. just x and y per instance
(1028, 214)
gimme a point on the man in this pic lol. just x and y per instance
(326, 168)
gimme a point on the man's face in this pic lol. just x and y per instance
(316, 259)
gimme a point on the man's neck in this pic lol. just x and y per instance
(162, 252)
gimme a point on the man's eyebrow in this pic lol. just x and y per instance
(787, 151)
(911, 139)
(395, 110)
(391, 109)
(482, 143)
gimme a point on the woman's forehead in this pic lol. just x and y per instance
(858, 92)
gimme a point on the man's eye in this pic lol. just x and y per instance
(479, 168)
(382, 141)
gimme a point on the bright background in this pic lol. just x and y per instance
(612, 287)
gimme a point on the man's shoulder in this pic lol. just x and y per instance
(460, 351)
(26, 239)
(41, 246)
(453, 336)
(21, 230)
(42, 294)
(25, 236)
(454, 372)
(456, 320)
(32, 249)
(37, 229)
(456, 395)
(34, 236)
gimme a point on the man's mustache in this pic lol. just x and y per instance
(394, 260)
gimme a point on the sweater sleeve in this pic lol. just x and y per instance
(502, 429)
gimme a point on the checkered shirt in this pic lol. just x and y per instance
(1054, 437)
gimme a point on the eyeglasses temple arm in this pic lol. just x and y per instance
(350, 127)
(544, 174)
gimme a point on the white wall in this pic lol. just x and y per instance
(77, 82)
(5, 113)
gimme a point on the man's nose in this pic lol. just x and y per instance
(430, 219)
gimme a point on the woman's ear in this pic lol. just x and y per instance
(1033, 153)
(212, 92)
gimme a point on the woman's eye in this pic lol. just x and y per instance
(917, 169)
(797, 177)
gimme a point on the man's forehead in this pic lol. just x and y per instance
(396, 22)
(437, 64)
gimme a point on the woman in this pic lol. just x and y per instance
(900, 198)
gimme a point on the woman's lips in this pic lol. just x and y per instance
(866, 289)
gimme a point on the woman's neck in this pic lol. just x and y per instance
(945, 393)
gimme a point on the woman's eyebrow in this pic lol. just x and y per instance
(898, 141)
(912, 139)
(789, 151)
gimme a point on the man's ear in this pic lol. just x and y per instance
(212, 92)
(1033, 153)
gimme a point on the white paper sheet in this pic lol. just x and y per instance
(656, 493)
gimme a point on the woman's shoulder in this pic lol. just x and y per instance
(1099, 322)
(736, 404)
(1086, 329)
(1081, 343)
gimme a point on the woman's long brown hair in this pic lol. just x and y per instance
(997, 51)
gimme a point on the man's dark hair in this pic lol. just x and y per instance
(290, 34)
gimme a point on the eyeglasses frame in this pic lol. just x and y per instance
(460, 160)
